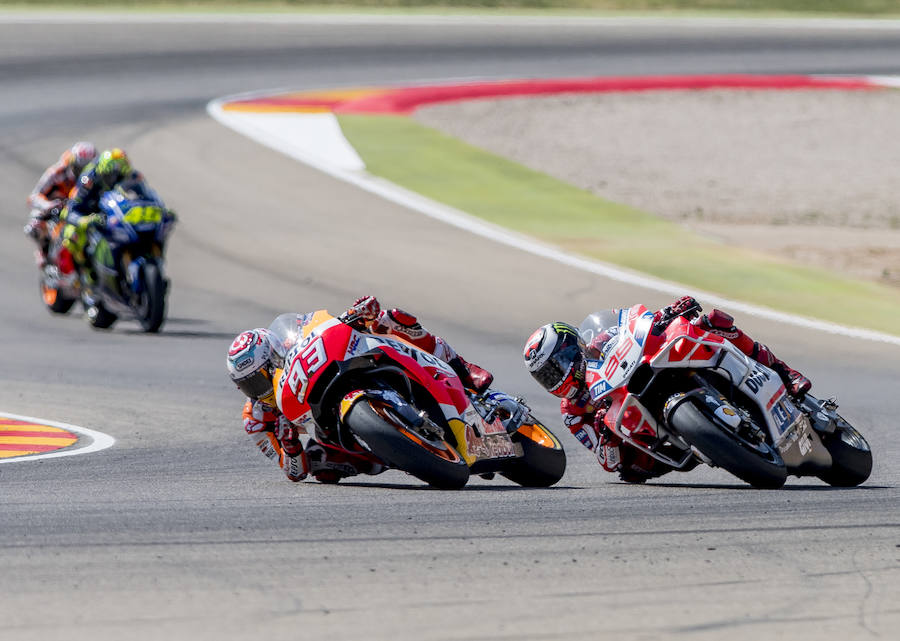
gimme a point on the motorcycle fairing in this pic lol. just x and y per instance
(130, 217)
(325, 339)
(687, 345)
(603, 376)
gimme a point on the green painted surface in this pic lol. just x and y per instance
(506, 193)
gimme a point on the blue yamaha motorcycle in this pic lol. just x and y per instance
(126, 277)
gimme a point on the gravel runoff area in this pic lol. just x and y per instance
(813, 176)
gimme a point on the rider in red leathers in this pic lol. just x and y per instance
(555, 356)
(254, 357)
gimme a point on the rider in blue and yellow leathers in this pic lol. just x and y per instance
(110, 169)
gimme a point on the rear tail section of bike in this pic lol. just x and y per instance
(543, 460)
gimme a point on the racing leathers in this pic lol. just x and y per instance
(46, 201)
(279, 440)
(82, 209)
(585, 419)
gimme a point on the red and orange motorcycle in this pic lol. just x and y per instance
(384, 398)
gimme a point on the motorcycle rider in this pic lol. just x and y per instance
(111, 168)
(555, 356)
(255, 355)
(50, 193)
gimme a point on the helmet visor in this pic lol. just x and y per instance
(552, 374)
(256, 386)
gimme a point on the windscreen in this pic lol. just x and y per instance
(597, 322)
(286, 329)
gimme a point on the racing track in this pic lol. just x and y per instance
(182, 530)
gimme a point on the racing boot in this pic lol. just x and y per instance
(722, 324)
(795, 382)
(472, 376)
(329, 464)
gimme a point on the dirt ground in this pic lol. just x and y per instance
(813, 176)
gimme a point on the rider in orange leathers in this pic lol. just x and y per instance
(253, 358)
(52, 190)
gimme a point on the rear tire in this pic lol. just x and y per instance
(761, 465)
(152, 306)
(395, 445)
(851, 464)
(543, 462)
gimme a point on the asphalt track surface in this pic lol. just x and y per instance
(182, 530)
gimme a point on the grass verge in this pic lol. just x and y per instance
(503, 192)
(870, 8)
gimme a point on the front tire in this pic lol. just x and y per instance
(543, 461)
(760, 465)
(99, 317)
(55, 302)
(152, 303)
(851, 457)
(388, 438)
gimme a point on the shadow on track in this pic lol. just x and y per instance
(467, 488)
(183, 333)
(786, 488)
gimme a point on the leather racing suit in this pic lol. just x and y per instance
(279, 440)
(84, 204)
(48, 196)
(585, 419)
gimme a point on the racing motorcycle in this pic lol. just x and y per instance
(126, 276)
(59, 284)
(685, 396)
(384, 398)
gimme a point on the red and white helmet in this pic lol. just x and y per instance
(251, 361)
(80, 155)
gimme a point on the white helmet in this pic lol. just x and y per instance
(251, 361)
(82, 153)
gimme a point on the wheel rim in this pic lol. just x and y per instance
(446, 452)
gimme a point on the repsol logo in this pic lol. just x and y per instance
(757, 380)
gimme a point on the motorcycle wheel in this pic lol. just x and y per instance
(430, 460)
(98, 317)
(151, 310)
(850, 455)
(758, 464)
(55, 302)
(543, 461)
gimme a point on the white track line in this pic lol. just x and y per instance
(256, 127)
(39, 16)
(99, 440)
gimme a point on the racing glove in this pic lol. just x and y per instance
(686, 306)
(289, 437)
(92, 220)
(364, 310)
(608, 451)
